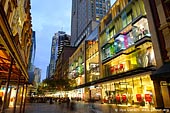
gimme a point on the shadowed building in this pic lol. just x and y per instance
(62, 63)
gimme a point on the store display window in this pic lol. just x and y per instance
(146, 57)
(130, 39)
(117, 68)
(119, 43)
(108, 51)
(140, 29)
(130, 91)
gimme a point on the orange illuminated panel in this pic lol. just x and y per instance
(1, 94)
(2, 54)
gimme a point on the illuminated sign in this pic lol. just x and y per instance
(165, 84)
(117, 68)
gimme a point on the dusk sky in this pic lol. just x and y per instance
(49, 17)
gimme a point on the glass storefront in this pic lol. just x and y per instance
(136, 90)
(76, 66)
(125, 39)
(92, 61)
(139, 58)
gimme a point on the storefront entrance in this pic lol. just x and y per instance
(137, 90)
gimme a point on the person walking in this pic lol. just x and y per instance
(72, 106)
(68, 102)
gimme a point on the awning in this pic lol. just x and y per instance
(162, 73)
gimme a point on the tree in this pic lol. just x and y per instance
(51, 85)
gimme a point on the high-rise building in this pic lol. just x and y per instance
(47, 72)
(63, 40)
(37, 73)
(84, 15)
(53, 55)
(59, 40)
(32, 52)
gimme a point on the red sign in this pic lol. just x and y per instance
(121, 66)
(112, 69)
(116, 68)
(139, 97)
(124, 97)
(118, 98)
(148, 97)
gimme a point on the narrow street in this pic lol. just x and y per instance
(81, 107)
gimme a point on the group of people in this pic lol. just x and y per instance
(70, 104)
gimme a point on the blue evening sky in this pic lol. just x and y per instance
(49, 17)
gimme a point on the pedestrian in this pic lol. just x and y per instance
(51, 101)
(72, 106)
(68, 102)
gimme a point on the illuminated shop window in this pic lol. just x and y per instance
(140, 29)
(143, 56)
(129, 91)
(119, 43)
(108, 51)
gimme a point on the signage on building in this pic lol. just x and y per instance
(139, 97)
(148, 97)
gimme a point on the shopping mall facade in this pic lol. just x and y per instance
(118, 62)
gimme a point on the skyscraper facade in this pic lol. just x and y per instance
(58, 41)
(32, 52)
(53, 55)
(84, 15)
(63, 40)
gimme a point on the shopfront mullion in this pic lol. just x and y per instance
(126, 90)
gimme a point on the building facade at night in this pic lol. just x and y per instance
(84, 15)
(133, 51)
(15, 45)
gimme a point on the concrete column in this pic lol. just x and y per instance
(25, 98)
(21, 100)
(16, 97)
(166, 97)
(158, 95)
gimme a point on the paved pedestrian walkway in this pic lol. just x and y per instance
(82, 107)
